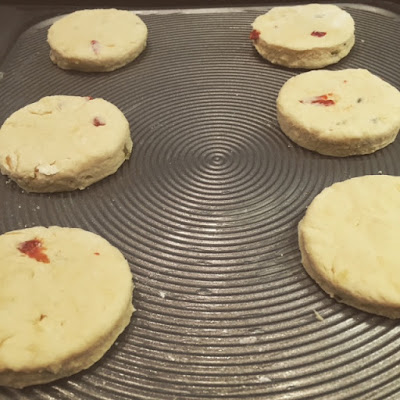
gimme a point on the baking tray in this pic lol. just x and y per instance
(206, 213)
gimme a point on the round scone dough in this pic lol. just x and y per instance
(306, 36)
(63, 143)
(339, 113)
(98, 40)
(65, 296)
(349, 243)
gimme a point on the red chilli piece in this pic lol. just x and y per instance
(323, 97)
(318, 34)
(98, 122)
(255, 34)
(34, 249)
(96, 254)
(95, 46)
(324, 100)
(89, 98)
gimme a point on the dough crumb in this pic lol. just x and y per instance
(263, 379)
(318, 316)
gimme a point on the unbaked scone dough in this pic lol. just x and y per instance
(306, 36)
(65, 296)
(349, 242)
(63, 143)
(97, 40)
(339, 113)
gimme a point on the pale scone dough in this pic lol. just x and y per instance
(65, 296)
(339, 113)
(349, 243)
(63, 143)
(305, 36)
(98, 40)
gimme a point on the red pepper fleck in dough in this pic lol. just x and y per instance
(97, 254)
(89, 98)
(324, 102)
(34, 249)
(98, 122)
(95, 46)
(323, 99)
(318, 34)
(255, 34)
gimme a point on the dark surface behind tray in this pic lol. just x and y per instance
(206, 213)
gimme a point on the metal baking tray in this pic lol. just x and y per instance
(206, 213)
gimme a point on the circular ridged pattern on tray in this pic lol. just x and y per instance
(206, 212)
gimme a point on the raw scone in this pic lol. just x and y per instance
(65, 296)
(306, 36)
(96, 40)
(339, 113)
(63, 143)
(349, 243)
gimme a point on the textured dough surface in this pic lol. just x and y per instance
(339, 113)
(60, 314)
(63, 143)
(349, 243)
(306, 36)
(97, 40)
